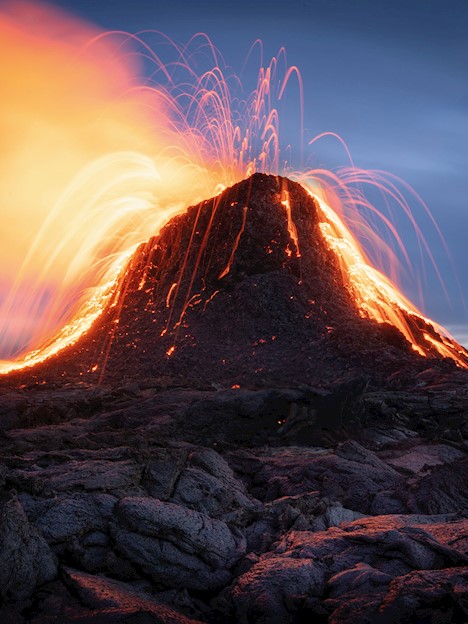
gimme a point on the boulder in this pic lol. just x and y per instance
(333, 514)
(73, 516)
(302, 563)
(435, 596)
(26, 560)
(113, 601)
(421, 458)
(209, 485)
(361, 578)
(274, 589)
(176, 546)
(443, 490)
(352, 474)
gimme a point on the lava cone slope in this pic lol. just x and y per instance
(240, 289)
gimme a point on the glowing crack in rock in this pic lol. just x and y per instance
(101, 159)
(236, 244)
(291, 225)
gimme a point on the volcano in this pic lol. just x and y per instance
(244, 289)
(234, 423)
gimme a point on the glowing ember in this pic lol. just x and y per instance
(98, 162)
(169, 294)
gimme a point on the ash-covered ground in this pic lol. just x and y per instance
(329, 485)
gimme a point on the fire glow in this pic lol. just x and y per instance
(100, 157)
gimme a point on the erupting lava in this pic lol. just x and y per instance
(101, 159)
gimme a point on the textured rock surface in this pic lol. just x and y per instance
(131, 496)
(440, 595)
(176, 546)
(26, 560)
(110, 600)
(354, 558)
(69, 517)
(157, 510)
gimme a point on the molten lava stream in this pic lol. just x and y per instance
(376, 296)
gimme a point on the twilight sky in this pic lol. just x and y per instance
(389, 76)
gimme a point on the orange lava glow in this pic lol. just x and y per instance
(291, 225)
(236, 244)
(96, 159)
(376, 296)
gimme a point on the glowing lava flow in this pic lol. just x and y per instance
(376, 296)
(83, 320)
(98, 159)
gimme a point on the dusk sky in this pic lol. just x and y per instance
(390, 77)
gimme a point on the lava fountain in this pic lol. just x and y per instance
(104, 139)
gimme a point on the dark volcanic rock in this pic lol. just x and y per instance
(352, 474)
(209, 485)
(178, 547)
(442, 491)
(305, 565)
(116, 602)
(94, 475)
(435, 595)
(267, 525)
(68, 517)
(26, 561)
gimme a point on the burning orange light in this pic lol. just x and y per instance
(291, 225)
(169, 294)
(376, 296)
(236, 244)
(95, 161)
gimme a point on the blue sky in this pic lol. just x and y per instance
(389, 76)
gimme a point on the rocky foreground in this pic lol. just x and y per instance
(155, 503)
